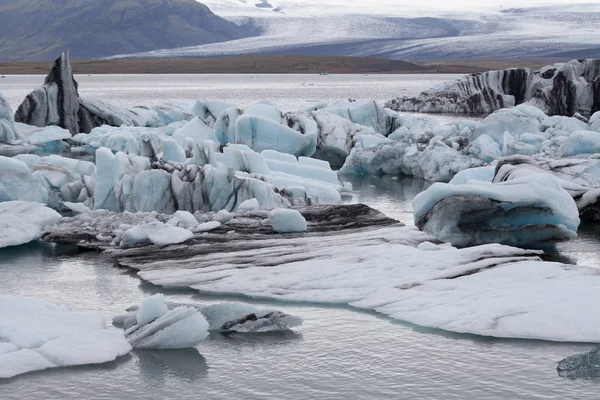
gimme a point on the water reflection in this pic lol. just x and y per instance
(265, 338)
(389, 194)
(158, 365)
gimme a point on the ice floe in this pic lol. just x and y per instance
(490, 290)
(155, 326)
(170, 325)
(22, 222)
(36, 335)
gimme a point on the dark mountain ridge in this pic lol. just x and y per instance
(35, 30)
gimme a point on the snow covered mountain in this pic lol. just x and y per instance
(400, 30)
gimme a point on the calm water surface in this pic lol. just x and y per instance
(290, 92)
(338, 353)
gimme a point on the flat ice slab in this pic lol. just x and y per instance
(36, 335)
(490, 290)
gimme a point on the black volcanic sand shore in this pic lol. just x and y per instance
(263, 65)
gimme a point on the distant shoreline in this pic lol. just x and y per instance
(266, 65)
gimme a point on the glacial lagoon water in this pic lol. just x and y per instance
(337, 353)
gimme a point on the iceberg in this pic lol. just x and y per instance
(559, 89)
(580, 366)
(261, 133)
(54, 103)
(12, 142)
(18, 183)
(287, 221)
(363, 112)
(246, 318)
(22, 222)
(219, 317)
(37, 335)
(155, 326)
(519, 210)
(57, 102)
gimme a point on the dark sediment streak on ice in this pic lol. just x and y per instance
(561, 89)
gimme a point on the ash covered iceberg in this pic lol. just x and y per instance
(520, 207)
(157, 324)
(560, 89)
(57, 102)
(36, 335)
(580, 366)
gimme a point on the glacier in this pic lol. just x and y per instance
(36, 335)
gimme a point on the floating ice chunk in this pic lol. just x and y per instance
(580, 142)
(239, 317)
(517, 120)
(151, 308)
(209, 110)
(161, 328)
(524, 211)
(183, 219)
(580, 366)
(140, 233)
(225, 125)
(48, 134)
(290, 165)
(248, 205)
(266, 111)
(17, 182)
(260, 134)
(223, 216)
(207, 226)
(22, 222)
(77, 207)
(485, 174)
(196, 129)
(242, 158)
(172, 151)
(490, 290)
(42, 335)
(362, 112)
(287, 221)
(337, 136)
(170, 235)
(485, 148)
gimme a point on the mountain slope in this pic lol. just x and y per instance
(41, 30)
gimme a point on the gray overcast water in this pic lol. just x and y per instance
(338, 353)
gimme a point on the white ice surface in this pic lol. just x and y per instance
(154, 326)
(151, 308)
(45, 335)
(170, 235)
(22, 222)
(486, 290)
(287, 221)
